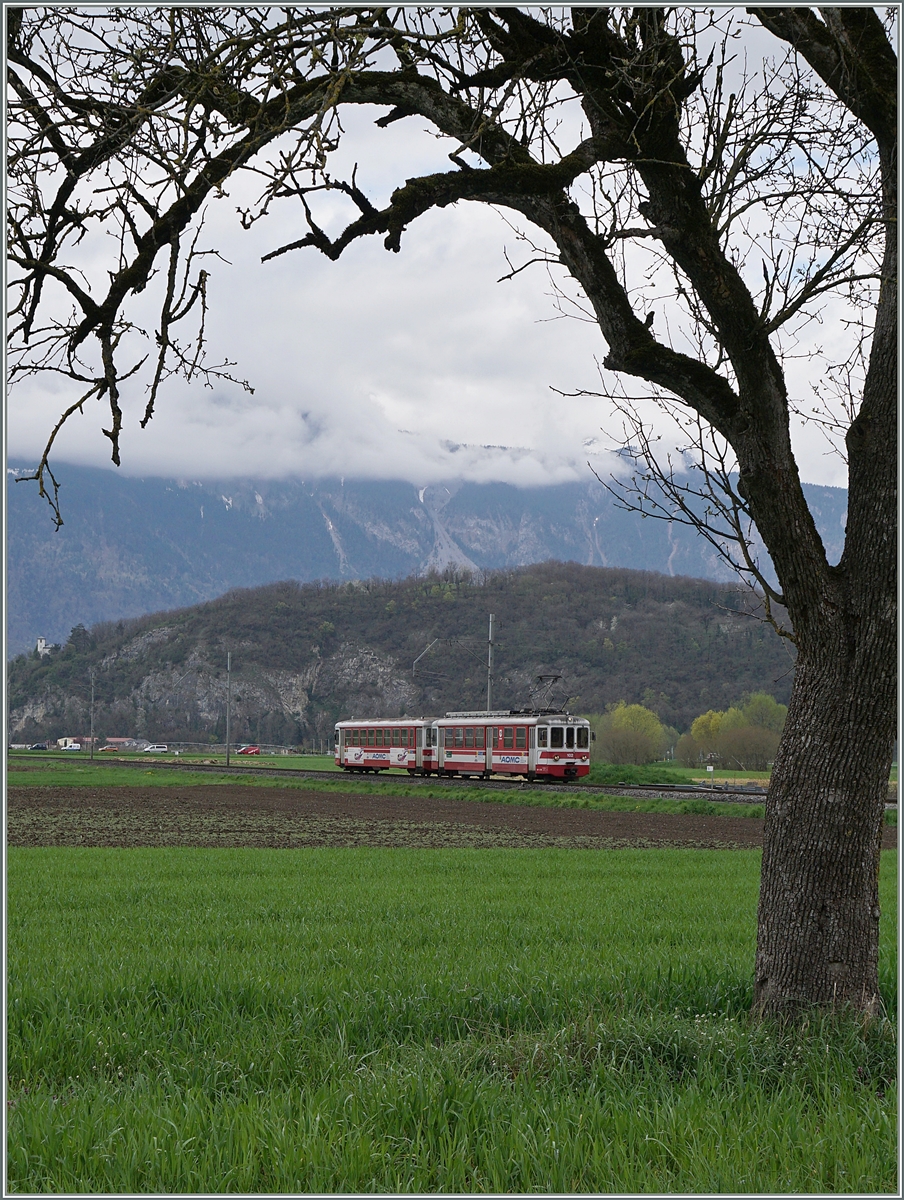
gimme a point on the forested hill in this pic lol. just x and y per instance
(304, 655)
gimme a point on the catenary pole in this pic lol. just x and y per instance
(228, 700)
(490, 667)
(92, 714)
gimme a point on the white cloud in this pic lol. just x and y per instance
(371, 367)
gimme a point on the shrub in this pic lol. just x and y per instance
(630, 733)
(687, 751)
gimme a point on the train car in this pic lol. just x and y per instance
(368, 745)
(533, 743)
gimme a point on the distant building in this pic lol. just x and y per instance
(42, 647)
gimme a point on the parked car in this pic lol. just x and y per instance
(38, 746)
(250, 750)
(108, 750)
(155, 750)
(72, 746)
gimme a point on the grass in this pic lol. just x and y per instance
(434, 1021)
(52, 772)
(669, 773)
(305, 762)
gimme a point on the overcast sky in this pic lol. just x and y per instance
(416, 366)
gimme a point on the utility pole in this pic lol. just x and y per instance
(490, 667)
(92, 714)
(228, 700)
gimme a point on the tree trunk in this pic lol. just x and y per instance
(818, 921)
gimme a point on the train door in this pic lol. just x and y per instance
(440, 751)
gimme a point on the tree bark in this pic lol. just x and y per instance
(818, 918)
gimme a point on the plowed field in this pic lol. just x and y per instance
(281, 817)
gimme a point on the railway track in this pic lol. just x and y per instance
(737, 794)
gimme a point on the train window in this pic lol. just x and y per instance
(507, 738)
(370, 737)
(459, 736)
(569, 738)
(557, 737)
(395, 737)
(479, 733)
(353, 737)
(583, 739)
(521, 737)
(541, 735)
(450, 737)
(469, 738)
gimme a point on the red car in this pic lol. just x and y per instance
(250, 750)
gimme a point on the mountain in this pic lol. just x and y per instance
(131, 546)
(304, 655)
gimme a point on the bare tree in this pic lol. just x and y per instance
(631, 147)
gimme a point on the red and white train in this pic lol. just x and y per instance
(532, 743)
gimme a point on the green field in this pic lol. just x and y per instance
(63, 772)
(664, 772)
(304, 762)
(391, 1020)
